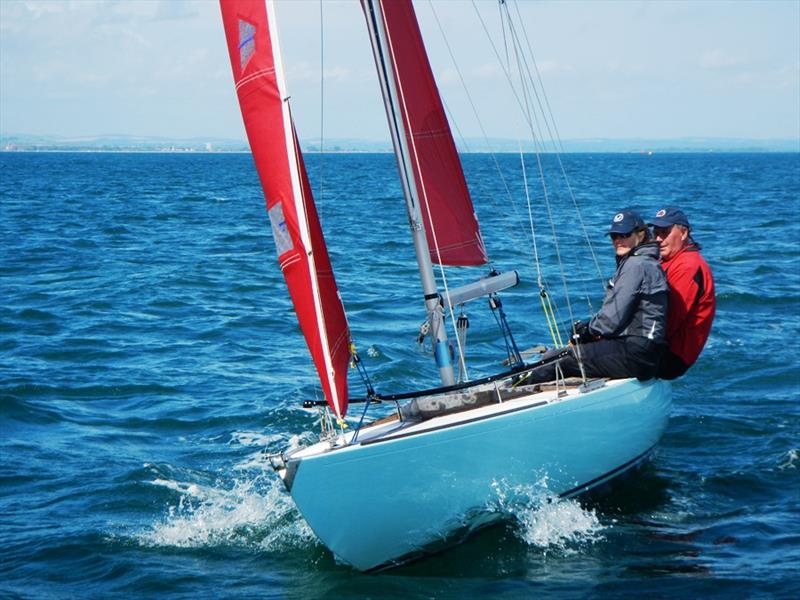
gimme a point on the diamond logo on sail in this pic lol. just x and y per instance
(280, 233)
(247, 42)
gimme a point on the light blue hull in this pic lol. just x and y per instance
(399, 491)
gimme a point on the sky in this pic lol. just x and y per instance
(612, 70)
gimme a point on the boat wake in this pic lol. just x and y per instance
(253, 514)
(262, 445)
(546, 522)
(253, 511)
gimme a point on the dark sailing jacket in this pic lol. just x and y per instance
(636, 298)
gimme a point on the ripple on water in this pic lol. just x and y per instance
(145, 322)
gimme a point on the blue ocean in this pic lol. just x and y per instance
(150, 359)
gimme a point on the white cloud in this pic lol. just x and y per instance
(153, 58)
(38, 9)
(169, 10)
(551, 66)
(447, 77)
(718, 59)
(337, 73)
(488, 71)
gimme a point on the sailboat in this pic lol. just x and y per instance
(397, 487)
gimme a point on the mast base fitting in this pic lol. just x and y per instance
(443, 353)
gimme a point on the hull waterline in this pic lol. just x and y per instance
(403, 489)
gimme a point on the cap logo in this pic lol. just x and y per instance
(661, 213)
(618, 217)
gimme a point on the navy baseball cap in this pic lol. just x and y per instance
(669, 216)
(626, 222)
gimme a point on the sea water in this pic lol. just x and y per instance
(149, 357)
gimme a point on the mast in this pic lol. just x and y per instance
(391, 98)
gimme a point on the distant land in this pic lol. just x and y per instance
(129, 143)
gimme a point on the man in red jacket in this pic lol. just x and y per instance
(691, 297)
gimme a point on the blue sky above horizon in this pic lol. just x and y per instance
(611, 69)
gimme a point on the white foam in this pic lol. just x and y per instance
(259, 460)
(789, 460)
(254, 438)
(547, 522)
(257, 514)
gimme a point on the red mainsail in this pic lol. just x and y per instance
(303, 257)
(450, 222)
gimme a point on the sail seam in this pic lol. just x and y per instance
(432, 133)
(289, 261)
(255, 75)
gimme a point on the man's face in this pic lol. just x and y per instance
(671, 239)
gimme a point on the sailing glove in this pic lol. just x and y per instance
(581, 333)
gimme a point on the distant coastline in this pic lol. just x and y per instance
(139, 144)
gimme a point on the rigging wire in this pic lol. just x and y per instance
(524, 106)
(550, 310)
(503, 27)
(532, 127)
(321, 165)
(321, 326)
(355, 359)
(547, 116)
(480, 125)
(547, 305)
(452, 120)
(555, 136)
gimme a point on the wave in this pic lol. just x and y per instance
(547, 522)
(19, 409)
(739, 300)
(34, 390)
(789, 460)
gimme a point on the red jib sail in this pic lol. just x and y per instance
(261, 88)
(450, 222)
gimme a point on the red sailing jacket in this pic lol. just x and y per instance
(691, 303)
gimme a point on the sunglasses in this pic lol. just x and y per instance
(662, 232)
(621, 236)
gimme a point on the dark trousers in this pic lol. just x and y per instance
(615, 358)
(671, 366)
